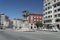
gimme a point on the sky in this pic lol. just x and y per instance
(14, 8)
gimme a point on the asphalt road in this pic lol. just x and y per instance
(12, 35)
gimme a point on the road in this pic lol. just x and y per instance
(41, 35)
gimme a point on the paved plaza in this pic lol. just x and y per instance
(41, 35)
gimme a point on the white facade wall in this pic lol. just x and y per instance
(6, 23)
(17, 24)
(51, 4)
(3, 21)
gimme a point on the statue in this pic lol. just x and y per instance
(25, 23)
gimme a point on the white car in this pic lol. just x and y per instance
(54, 30)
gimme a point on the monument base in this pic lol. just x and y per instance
(24, 29)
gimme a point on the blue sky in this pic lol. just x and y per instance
(14, 8)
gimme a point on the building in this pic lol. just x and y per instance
(33, 18)
(51, 13)
(17, 23)
(6, 22)
(3, 21)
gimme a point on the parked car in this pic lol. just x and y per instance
(53, 30)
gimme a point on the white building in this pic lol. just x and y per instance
(3, 21)
(51, 13)
(17, 23)
(6, 24)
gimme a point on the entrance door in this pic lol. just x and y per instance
(58, 27)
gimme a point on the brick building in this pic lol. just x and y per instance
(33, 18)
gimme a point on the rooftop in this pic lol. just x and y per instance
(36, 14)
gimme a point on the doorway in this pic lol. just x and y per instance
(58, 26)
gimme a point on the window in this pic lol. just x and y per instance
(49, 12)
(37, 17)
(40, 17)
(54, 0)
(49, 3)
(43, 14)
(55, 15)
(0, 17)
(47, 21)
(58, 4)
(54, 6)
(55, 11)
(45, 9)
(45, 4)
(34, 19)
(59, 9)
(40, 20)
(48, 16)
(49, 7)
(46, 13)
(58, 15)
(57, 20)
(51, 15)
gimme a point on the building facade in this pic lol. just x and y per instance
(17, 23)
(3, 21)
(33, 18)
(52, 13)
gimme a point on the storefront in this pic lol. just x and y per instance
(48, 26)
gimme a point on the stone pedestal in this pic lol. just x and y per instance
(25, 26)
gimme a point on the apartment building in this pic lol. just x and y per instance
(33, 18)
(51, 13)
(3, 20)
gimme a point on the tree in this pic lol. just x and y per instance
(39, 24)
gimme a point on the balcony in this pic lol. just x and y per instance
(57, 20)
(58, 12)
(57, 7)
(56, 2)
